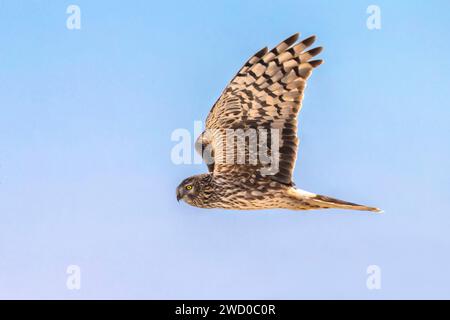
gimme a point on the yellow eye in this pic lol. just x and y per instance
(189, 187)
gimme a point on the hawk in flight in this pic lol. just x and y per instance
(264, 98)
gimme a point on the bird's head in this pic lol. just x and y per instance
(189, 189)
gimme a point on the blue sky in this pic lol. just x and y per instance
(86, 176)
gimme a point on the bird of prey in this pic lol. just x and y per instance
(265, 97)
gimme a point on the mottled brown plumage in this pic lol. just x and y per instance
(263, 98)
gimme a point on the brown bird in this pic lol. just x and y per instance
(259, 109)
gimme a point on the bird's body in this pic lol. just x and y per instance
(239, 189)
(247, 191)
(250, 142)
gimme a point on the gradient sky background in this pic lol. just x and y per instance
(86, 176)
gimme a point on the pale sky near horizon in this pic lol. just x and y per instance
(86, 176)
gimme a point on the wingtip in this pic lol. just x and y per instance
(310, 40)
(292, 39)
(316, 63)
(296, 35)
(315, 51)
(261, 52)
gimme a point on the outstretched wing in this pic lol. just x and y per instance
(203, 143)
(265, 94)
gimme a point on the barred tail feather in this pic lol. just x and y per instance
(307, 200)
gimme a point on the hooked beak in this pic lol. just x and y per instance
(179, 195)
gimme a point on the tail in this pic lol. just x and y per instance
(309, 201)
